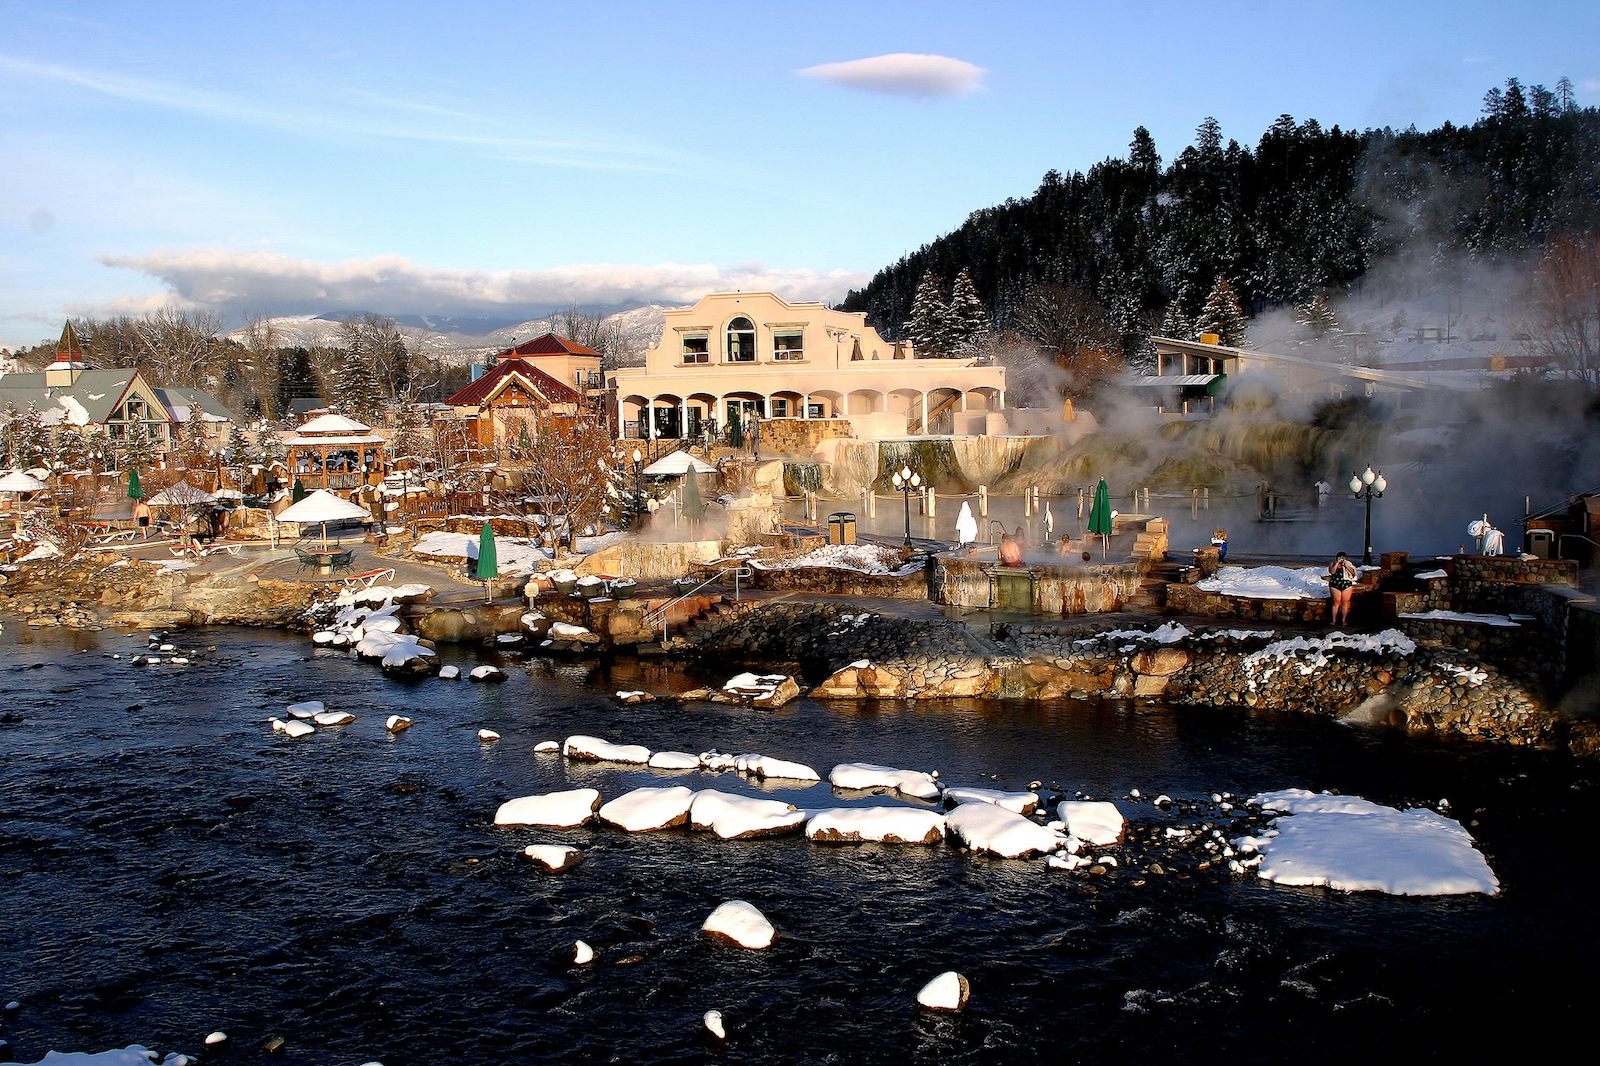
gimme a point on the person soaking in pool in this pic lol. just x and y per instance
(1011, 549)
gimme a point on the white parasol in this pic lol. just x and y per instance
(322, 506)
(676, 465)
(966, 525)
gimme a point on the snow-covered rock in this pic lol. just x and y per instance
(765, 766)
(1354, 845)
(645, 810)
(553, 858)
(716, 762)
(1092, 821)
(397, 723)
(984, 827)
(582, 954)
(760, 690)
(863, 775)
(325, 637)
(567, 633)
(546, 747)
(593, 749)
(560, 810)
(308, 709)
(713, 1024)
(740, 923)
(1019, 802)
(949, 992)
(132, 1055)
(880, 825)
(488, 736)
(487, 673)
(215, 1038)
(634, 696)
(734, 817)
(449, 673)
(292, 728)
(333, 718)
(674, 760)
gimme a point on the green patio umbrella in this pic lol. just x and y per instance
(297, 492)
(735, 429)
(487, 568)
(134, 491)
(694, 506)
(1100, 515)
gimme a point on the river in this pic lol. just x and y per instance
(169, 866)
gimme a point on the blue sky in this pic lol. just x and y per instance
(489, 157)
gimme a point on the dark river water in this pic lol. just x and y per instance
(168, 867)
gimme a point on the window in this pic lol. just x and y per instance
(696, 347)
(780, 408)
(788, 345)
(741, 341)
(814, 410)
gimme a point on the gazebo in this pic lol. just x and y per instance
(335, 452)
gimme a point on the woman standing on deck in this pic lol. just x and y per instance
(1342, 577)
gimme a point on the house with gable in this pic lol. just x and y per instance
(516, 392)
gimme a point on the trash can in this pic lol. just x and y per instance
(842, 528)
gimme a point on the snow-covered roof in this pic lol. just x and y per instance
(333, 424)
(334, 438)
(1176, 379)
(678, 463)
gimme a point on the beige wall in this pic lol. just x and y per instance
(823, 382)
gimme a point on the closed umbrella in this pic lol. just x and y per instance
(322, 506)
(297, 492)
(135, 492)
(694, 505)
(1100, 515)
(1049, 522)
(966, 525)
(487, 568)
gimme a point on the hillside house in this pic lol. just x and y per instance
(511, 397)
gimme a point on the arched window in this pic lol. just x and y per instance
(741, 340)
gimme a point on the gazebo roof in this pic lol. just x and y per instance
(333, 424)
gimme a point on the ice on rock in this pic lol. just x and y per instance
(308, 709)
(734, 817)
(1019, 802)
(488, 736)
(740, 923)
(397, 723)
(1354, 845)
(333, 718)
(559, 810)
(553, 858)
(713, 1023)
(593, 749)
(949, 992)
(764, 766)
(984, 827)
(879, 825)
(863, 775)
(674, 760)
(449, 673)
(645, 810)
(1092, 821)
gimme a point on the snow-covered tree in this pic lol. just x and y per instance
(136, 449)
(356, 391)
(929, 325)
(1317, 316)
(1222, 314)
(240, 449)
(405, 440)
(967, 320)
(10, 432)
(97, 450)
(1176, 324)
(269, 446)
(32, 440)
(192, 448)
(69, 449)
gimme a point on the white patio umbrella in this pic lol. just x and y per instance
(676, 465)
(324, 507)
(966, 525)
(16, 483)
(181, 494)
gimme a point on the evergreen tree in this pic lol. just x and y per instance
(69, 449)
(1222, 314)
(967, 319)
(10, 436)
(356, 391)
(193, 446)
(240, 449)
(137, 449)
(97, 448)
(269, 447)
(33, 443)
(1317, 316)
(929, 325)
(1177, 325)
(405, 440)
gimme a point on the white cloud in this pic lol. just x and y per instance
(902, 74)
(237, 282)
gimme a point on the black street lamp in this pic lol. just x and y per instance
(905, 483)
(638, 489)
(1368, 486)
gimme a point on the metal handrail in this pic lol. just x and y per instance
(660, 613)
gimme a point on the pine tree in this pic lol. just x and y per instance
(97, 448)
(33, 443)
(1222, 314)
(193, 446)
(269, 447)
(137, 450)
(240, 450)
(967, 319)
(10, 433)
(1177, 325)
(356, 391)
(929, 325)
(69, 449)
(1317, 316)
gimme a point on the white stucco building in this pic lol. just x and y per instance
(756, 353)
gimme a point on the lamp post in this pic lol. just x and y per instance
(638, 488)
(905, 483)
(1367, 486)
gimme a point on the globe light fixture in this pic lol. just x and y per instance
(1367, 486)
(905, 482)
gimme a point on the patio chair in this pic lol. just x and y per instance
(306, 558)
(342, 560)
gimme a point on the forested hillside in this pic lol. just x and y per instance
(1302, 214)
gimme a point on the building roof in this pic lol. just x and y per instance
(548, 344)
(96, 392)
(536, 379)
(1420, 380)
(1175, 379)
(333, 424)
(181, 404)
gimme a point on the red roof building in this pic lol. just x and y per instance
(512, 395)
(566, 360)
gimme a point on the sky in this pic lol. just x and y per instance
(494, 158)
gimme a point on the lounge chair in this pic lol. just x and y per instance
(367, 578)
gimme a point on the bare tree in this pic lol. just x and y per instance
(568, 470)
(1075, 332)
(1566, 297)
(259, 367)
(181, 347)
(591, 330)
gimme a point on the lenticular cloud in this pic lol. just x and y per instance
(902, 74)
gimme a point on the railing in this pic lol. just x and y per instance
(660, 614)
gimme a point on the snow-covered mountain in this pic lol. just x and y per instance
(636, 330)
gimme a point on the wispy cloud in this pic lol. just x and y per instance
(902, 74)
(367, 115)
(235, 282)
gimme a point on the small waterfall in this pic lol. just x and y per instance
(801, 478)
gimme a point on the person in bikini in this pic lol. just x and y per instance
(1342, 578)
